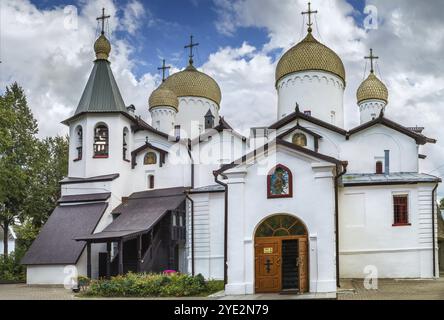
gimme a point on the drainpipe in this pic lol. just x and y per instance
(192, 163)
(433, 229)
(337, 178)
(225, 226)
(192, 233)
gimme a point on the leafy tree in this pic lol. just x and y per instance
(49, 167)
(441, 204)
(16, 156)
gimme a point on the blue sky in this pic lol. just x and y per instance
(240, 44)
(167, 25)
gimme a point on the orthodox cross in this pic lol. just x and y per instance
(309, 13)
(268, 265)
(103, 18)
(163, 68)
(371, 57)
(191, 46)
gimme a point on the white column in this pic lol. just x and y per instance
(236, 233)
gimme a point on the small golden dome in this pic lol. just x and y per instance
(163, 97)
(310, 54)
(372, 88)
(102, 47)
(193, 83)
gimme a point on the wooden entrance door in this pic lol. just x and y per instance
(269, 268)
(268, 265)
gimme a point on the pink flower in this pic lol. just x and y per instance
(169, 272)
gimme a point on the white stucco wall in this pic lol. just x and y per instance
(191, 115)
(368, 237)
(320, 92)
(371, 109)
(312, 203)
(208, 235)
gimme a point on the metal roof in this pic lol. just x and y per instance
(383, 179)
(85, 197)
(101, 93)
(55, 244)
(108, 177)
(139, 213)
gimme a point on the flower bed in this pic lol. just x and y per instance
(153, 285)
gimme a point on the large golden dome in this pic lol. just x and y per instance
(193, 83)
(310, 54)
(372, 88)
(102, 47)
(163, 97)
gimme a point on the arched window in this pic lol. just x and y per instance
(280, 183)
(79, 143)
(300, 139)
(101, 141)
(150, 158)
(281, 226)
(125, 144)
(379, 169)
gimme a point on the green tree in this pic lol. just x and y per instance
(17, 149)
(50, 165)
(441, 204)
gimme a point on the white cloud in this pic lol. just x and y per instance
(53, 62)
(409, 41)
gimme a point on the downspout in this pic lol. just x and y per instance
(192, 206)
(192, 233)
(337, 178)
(225, 226)
(433, 229)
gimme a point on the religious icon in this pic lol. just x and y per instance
(279, 183)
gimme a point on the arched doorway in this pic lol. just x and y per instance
(281, 255)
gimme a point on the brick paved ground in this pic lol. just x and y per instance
(351, 290)
(393, 290)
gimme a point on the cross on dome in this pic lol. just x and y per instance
(191, 46)
(371, 57)
(309, 13)
(103, 18)
(163, 68)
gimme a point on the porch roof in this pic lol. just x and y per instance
(139, 213)
(353, 180)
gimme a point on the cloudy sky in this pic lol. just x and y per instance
(47, 46)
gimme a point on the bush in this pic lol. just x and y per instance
(11, 269)
(153, 285)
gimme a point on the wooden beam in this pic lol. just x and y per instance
(108, 260)
(120, 256)
(88, 260)
(139, 253)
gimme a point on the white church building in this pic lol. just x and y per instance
(296, 206)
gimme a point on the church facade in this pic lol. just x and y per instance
(296, 206)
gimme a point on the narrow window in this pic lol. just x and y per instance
(151, 181)
(125, 144)
(379, 166)
(150, 158)
(177, 132)
(79, 143)
(101, 144)
(400, 208)
(300, 139)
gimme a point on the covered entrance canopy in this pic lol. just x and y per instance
(136, 217)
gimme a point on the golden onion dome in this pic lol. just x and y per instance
(163, 97)
(193, 83)
(372, 88)
(102, 47)
(310, 54)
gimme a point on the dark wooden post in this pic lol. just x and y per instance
(139, 253)
(88, 260)
(108, 260)
(121, 256)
